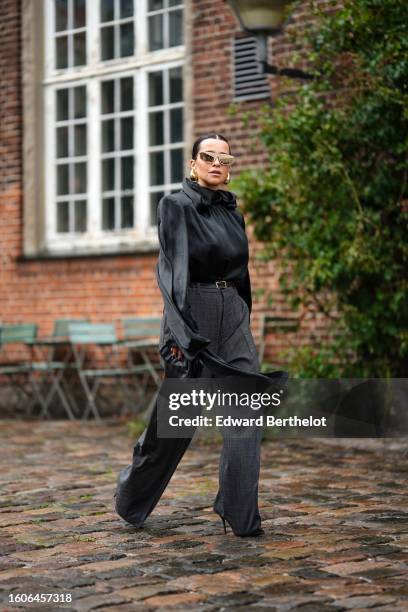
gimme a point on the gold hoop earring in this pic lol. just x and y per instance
(193, 174)
(228, 179)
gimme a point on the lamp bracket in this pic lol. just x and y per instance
(293, 73)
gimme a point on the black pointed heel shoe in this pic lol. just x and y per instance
(253, 534)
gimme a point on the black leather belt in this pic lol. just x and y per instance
(221, 284)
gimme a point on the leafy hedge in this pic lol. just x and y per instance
(331, 205)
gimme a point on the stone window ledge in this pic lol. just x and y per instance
(145, 247)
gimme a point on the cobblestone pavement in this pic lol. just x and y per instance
(335, 514)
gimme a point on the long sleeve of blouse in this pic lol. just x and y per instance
(173, 277)
(243, 284)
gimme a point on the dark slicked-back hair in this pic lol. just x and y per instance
(199, 140)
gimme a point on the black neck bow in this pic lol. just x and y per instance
(204, 196)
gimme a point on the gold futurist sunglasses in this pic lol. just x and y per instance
(209, 157)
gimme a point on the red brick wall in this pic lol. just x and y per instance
(108, 288)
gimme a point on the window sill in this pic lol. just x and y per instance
(144, 247)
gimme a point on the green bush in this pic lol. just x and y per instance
(331, 204)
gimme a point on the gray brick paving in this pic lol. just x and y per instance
(335, 513)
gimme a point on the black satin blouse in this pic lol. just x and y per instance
(215, 235)
(218, 245)
(202, 238)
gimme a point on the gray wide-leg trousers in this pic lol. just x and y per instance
(223, 316)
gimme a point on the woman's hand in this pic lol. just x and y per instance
(177, 353)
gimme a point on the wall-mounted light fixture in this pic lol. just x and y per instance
(263, 18)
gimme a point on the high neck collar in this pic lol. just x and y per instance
(204, 196)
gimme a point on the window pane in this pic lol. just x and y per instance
(61, 15)
(126, 8)
(155, 5)
(108, 214)
(62, 104)
(108, 97)
(80, 216)
(127, 172)
(176, 163)
(127, 211)
(80, 139)
(126, 128)
(157, 168)
(61, 50)
(175, 2)
(62, 142)
(108, 174)
(79, 102)
(126, 39)
(156, 32)
(156, 128)
(126, 94)
(79, 13)
(154, 202)
(107, 10)
(62, 179)
(176, 84)
(62, 216)
(176, 28)
(79, 49)
(155, 88)
(108, 135)
(176, 125)
(80, 177)
(107, 43)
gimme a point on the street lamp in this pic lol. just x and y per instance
(264, 18)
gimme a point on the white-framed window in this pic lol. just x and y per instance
(71, 162)
(117, 35)
(70, 33)
(113, 117)
(165, 120)
(165, 19)
(117, 152)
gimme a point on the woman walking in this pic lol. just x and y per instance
(203, 276)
